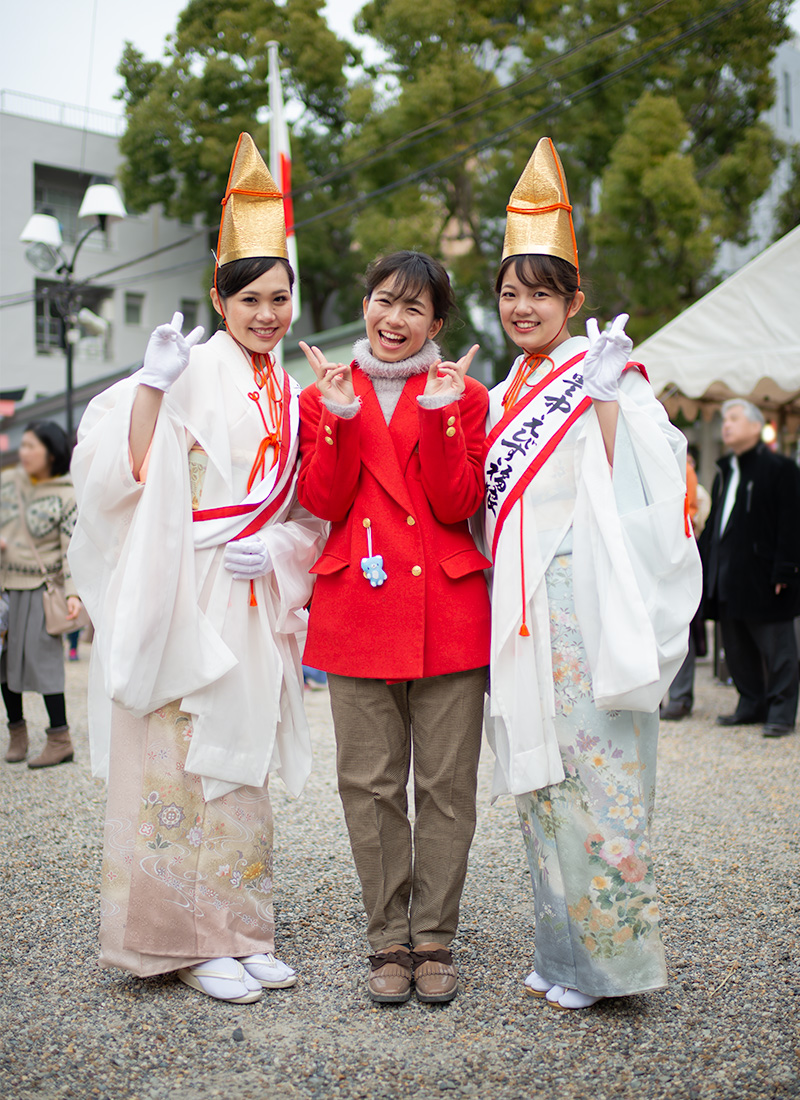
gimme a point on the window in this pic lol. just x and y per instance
(49, 305)
(59, 191)
(134, 308)
(190, 308)
(48, 317)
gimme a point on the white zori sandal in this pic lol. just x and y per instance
(569, 999)
(224, 980)
(270, 972)
(536, 985)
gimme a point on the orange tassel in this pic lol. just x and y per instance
(686, 517)
(523, 630)
(253, 600)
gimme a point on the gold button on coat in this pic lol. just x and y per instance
(328, 440)
(416, 570)
(451, 421)
(367, 522)
(450, 432)
(328, 430)
(410, 521)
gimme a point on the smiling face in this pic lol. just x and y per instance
(259, 314)
(535, 317)
(398, 326)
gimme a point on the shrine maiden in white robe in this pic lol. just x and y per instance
(611, 582)
(186, 677)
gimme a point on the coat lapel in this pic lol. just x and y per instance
(378, 451)
(404, 425)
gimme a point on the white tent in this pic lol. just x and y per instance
(742, 339)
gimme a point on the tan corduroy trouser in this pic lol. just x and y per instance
(411, 893)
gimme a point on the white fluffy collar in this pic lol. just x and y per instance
(404, 368)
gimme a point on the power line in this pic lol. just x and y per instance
(553, 109)
(413, 137)
(403, 142)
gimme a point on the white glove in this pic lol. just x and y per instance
(247, 558)
(605, 360)
(167, 354)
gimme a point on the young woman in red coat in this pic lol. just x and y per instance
(391, 455)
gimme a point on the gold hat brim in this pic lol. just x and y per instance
(253, 221)
(539, 219)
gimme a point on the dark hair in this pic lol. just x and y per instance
(414, 272)
(54, 439)
(534, 270)
(232, 277)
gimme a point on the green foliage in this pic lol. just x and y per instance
(655, 110)
(652, 233)
(185, 115)
(788, 213)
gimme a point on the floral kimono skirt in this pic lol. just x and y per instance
(586, 838)
(183, 880)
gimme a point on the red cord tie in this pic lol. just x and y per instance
(264, 377)
(524, 632)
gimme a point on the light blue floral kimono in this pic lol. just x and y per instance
(597, 917)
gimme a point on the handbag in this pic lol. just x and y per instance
(54, 600)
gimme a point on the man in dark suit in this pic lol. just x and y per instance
(751, 555)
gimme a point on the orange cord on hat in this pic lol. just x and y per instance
(245, 191)
(555, 206)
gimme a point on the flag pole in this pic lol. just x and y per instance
(280, 165)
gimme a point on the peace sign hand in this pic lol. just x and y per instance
(334, 380)
(449, 378)
(167, 354)
(605, 360)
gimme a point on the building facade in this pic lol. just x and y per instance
(132, 276)
(783, 118)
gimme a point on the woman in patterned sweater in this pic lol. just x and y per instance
(37, 503)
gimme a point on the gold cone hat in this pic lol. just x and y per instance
(253, 222)
(539, 211)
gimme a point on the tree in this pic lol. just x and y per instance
(184, 116)
(578, 71)
(423, 148)
(653, 231)
(787, 216)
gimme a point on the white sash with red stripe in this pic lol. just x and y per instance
(635, 574)
(519, 445)
(214, 526)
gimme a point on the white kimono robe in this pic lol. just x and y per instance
(636, 575)
(171, 622)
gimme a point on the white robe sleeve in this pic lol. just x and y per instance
(637, 574)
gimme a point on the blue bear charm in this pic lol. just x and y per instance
(373, 570)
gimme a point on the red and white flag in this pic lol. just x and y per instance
(280, 164)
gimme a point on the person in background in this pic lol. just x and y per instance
(751, 557)
(37, 505)
(72, 644)
(681, 690)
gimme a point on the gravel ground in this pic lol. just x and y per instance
(727, 844)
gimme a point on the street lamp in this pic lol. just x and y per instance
(43, 234)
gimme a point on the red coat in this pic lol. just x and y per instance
(417, 481)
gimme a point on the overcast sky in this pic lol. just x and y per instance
(46, 46)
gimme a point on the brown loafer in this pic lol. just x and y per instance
(435, 974)
(390, 978)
